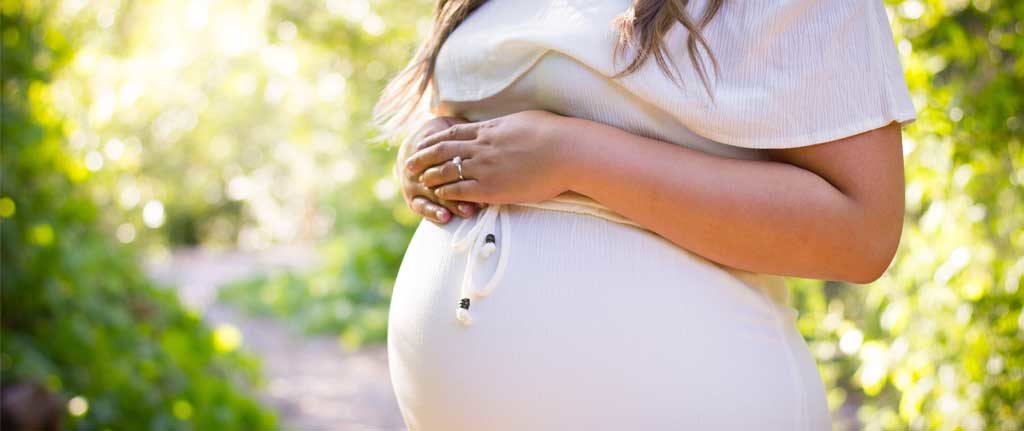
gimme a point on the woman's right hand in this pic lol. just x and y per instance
(419, 197)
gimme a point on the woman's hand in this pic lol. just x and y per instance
(511, 159)
(418, 197)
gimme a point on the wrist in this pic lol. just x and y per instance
(567, 136)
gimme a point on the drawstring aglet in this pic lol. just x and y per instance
(489, 246)
(463, 313)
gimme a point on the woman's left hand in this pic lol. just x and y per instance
(516, 158)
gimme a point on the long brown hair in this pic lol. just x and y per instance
(642, 26)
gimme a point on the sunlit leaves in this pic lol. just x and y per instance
(78, 316)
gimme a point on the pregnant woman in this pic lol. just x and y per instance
(616, 189)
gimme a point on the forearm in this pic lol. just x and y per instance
(755, 215)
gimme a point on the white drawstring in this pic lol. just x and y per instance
(484, 225)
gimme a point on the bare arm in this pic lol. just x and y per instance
(828, 211)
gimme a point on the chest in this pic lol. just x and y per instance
(561, 84)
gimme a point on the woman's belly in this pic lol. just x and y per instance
(595, 325)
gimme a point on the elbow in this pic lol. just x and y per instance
(868, 269)
(873, 254)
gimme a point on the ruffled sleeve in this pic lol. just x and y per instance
(800, 73)
(792, 73)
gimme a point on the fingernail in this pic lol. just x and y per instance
(465, 208)
(442, 215)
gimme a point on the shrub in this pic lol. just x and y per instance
(78, 316)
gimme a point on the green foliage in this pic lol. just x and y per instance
(246, 122)
(347, 295)
(349, 292)
(78, 315)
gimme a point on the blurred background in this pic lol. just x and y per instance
(196, 234)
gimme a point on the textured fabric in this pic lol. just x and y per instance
(595, 325)
(485, 226)
(793, 73)
(773, 286)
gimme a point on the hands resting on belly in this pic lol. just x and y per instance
(510, 159)
(420, 198)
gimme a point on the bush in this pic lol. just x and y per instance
(78, 315)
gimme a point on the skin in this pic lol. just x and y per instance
(420, 198)
(829, 211)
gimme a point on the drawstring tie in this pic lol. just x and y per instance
(484, 225)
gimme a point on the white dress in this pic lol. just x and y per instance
(578, 318)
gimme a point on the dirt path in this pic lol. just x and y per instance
(312, 382)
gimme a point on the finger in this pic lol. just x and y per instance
(447, 172)
(468, 190)
(430, 210)
(467, 208)
(456, 120)
(437, 154)
(427, 209)
(457, 132)
(463, 209)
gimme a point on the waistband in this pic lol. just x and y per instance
(495, 216)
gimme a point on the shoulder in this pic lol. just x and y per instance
(799, 25)
(805, 72)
